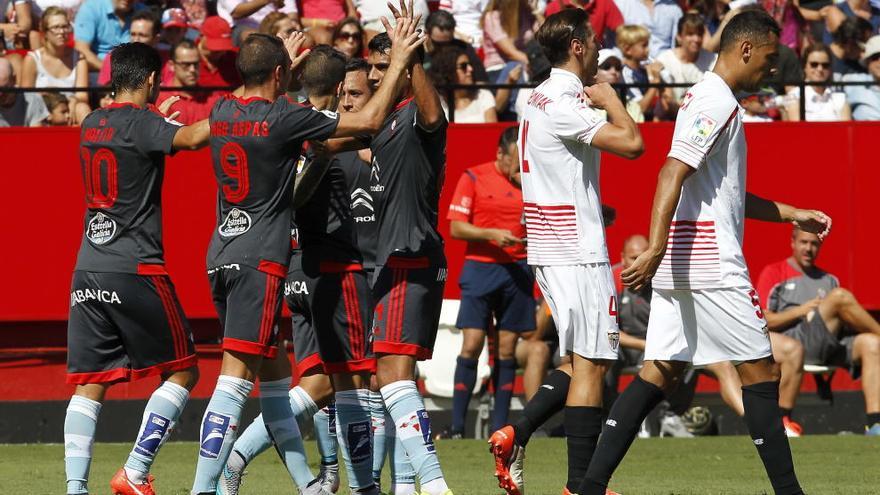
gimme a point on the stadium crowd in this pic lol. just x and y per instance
(647, 44)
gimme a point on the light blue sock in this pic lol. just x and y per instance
(255, 440)
(403, 476)
(79, 436)
(377, 418)
(353, 430)
(325, 434)
(413, 427)
(218, 430)
(281, 423)
(162, 411)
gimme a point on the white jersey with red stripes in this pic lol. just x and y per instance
(560, 174)
(704, 250)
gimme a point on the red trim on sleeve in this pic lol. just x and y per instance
(272, 268)
(771, 276)
(339, 267)
(151, 269)
(248, 347)
(402, 349)
(403, 103)
(310, 362)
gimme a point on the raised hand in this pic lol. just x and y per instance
(405, 38)
(405, 12)
(813, 221)
(166, 105)
(292, 44)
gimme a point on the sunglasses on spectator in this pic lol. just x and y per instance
(60, 28)
(348, 36)
(873, 58)
(610, 65)
(816, 65)
(186, 64)
(463, 66)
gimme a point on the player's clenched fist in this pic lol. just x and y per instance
(602, 95)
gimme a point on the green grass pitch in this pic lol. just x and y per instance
(714, 465)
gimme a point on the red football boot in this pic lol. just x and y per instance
(121, 485)
(509, 459)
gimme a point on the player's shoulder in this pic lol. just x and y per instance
(779, 271)
(479, 171)
(711, 94)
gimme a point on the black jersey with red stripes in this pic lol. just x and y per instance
(122, 156)
(363, 203)
(255, 145)
(408, 167)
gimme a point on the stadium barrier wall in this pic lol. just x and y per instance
(831, 166)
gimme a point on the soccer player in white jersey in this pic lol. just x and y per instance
(561, 137)
(704, 309)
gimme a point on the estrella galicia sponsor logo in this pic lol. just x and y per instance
(154, 432)
(358, 436)
(79, 296)
(101, 229)
(614, 340)
(237, 222)
(213, 433)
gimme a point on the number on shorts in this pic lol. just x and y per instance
(757, 303)
(233, 159)
(612, 306)
(92, 165)
(522, 152)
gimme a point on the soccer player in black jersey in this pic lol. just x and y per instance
(409, 160)
(125, 320)
(255, 141)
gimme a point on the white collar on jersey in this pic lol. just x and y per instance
(571, 77)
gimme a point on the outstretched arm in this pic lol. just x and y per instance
(814, 221)
(192, 137)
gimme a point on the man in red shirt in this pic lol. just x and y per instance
(217, 54)
(604, 14)
(496, 282)
(192, 107)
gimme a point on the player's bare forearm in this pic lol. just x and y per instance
(669, 183)
(427, 99)
(758, 208)
(246, 9)
(465, 231)
(86, 51)
(192, 137)
(778, 321)
(621, 135)
(630, 342)
(341, 145)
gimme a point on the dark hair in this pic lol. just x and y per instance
(132, 65)
(852, 30)
(811, 49)
(184, 43)
(559, 29)
(323, 70)
(753, 25)
(52, 100)
(439, 19)
(690, 21)
(508, 137)
(380, 43)
(258, 57)
(443, 62)
(147, 15)
(357, 65)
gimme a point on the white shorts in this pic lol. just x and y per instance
(706, 326)
(583, 300)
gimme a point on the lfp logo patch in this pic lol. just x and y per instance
(213, 432)
(154, 431)
(358, 436)
(702, 129)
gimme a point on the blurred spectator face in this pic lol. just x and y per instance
(143, 31)
(174, 35)
(638, 51)
(873, 63)
(356, 91)
(609, 71)
(175, 24)
(186, 66)
(805, 248)
(691, 40)
(508, 162)
(122, 6)
(56, 29)
(7, 80)
(379, 63)
(441, 36)
(817, 67)
(285, 27)
(60, 115)
(349, 41)
(464, 71)
(634, 247)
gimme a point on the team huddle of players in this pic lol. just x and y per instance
(338, 212)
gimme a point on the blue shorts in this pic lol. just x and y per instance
(503, 291)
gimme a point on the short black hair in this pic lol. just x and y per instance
(258, 57)
(753, 25)
(148, 15)
(440, 19)
(559, 29)
(357, 65)
(323, 70)
(508, 137)
(852, 30)
(184, 43)
(380, 43)
(132, 65)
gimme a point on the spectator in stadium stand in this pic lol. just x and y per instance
(441, 28)
(632, 43)
(605, 17)
(175, 25)
(610, 69)
(496, 283)
(145, 28)
(688, 61)
(847, 45)
(56, 64)
(823, 104)
(100, 25)
(18, 109)
(320, 17)
(193, 106)
(508, 25)
(466, 15)
(371, 11)
(16, 33)
(450, 65)
(217, 53)
(838, 12)
(659, 16)
(807, 303)
(277, 24)
(865, 100)
(59, 110)
(786, 14)
(245, 15)
(348, 38)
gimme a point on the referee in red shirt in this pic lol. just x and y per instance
(496, 282)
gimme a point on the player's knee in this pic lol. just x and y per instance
(539, 352)
(471, 347)
(796, 353)
(185, 378)
(841, 296)
(870, 345)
